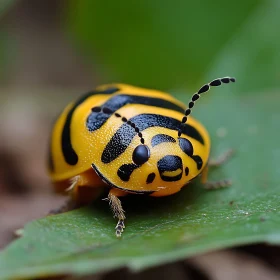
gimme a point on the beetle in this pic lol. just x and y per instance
(132, 140)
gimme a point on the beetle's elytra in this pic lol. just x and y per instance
(131, 140)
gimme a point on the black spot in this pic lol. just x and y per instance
(198, 160)
(225, 80)
(186, 146)
(117, 115)
(203, 89)
(184, 119)
(187, 171)
(170, 163)
(126, 170)
(215, 83)
(232, 79)
(124, 119)
(141, 154)
(124, 135)
(150, 178)
(120, 188)
(161, 138)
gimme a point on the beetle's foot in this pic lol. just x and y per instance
(217, 185)
(117, 210)
(119, 228)
(18, 232)
(222, 158)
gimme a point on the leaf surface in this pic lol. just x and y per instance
(166, 229)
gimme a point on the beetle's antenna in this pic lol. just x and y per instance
(108, 111)
(195, 97)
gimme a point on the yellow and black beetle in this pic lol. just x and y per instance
(130, 139)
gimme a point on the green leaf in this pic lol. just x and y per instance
(161, 230)
(5, 42)
(161, 44)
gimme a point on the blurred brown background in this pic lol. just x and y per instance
(41, 66)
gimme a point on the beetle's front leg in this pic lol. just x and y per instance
(216, 163)
(224, 157)
(117, 209)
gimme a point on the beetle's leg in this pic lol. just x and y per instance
(204, 174)
(82, 189)
(71, 203)
(117, 209)
(217, 184)
(85, 187)
(216, 163)
(221, 159)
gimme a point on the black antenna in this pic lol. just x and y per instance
(108, 111)
(205, 88)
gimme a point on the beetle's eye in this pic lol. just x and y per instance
(141, 154)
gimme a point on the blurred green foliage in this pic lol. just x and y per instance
(5, 5)
(253, 53)
(172, 44)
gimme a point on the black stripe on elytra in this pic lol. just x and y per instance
(96, 119)
(124, 135)
(161, 138)
(114, 186)
(69, 154)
